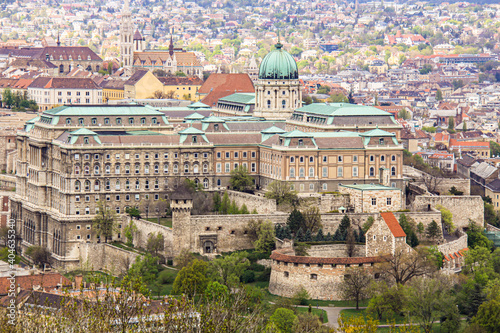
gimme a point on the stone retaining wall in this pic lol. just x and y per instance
(106, 257)
(463, 208)
(454, 246)
(261, 204)
(335, 250)
(145, 228)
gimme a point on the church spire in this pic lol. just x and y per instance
(58, 39)
(171, 46)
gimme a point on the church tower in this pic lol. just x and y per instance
(126, 36)
(139, 42)
(277, 90)
(252, 69)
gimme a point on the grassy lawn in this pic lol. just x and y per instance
(362, 312)
(318, 312)
(165, 221)
(276, 299)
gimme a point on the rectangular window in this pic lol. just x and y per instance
(340, 158)
(228, 168)
(227, 154)
(325, 159)
(253, 167)
(236, 155)
(219, 167)
(355, 171)
(325, 187)
(355, 158)
(253, 154)
(325, 172)
(218, 154)
(340, 172)
(244, 154)
(374, 201)
(389, 201)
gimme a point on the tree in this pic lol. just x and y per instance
(228, 270)
(432, 230)
(158, 94)
(224, 206)
(343, 229)
(104, 222)
(356, 324)
(451, 123)
(487, 315)
(457, 84)
(192, 279)
(265, 238)
(155, 243)
(282, 320)
(403, 114)
(7, 98)
(350, 242)
(439, 95)
(184, 259)
(338, 98)
(241, 180)
(355, 284)
(145, 268)
(369, 222)
(476, 238)
(446, 218)
(180, 74)
(427, 298)
(217, 202)
(40, 255)
(409, 229)
(282, 192)
(312, 219)
(402, 266)
(129, 233)
(133, 212)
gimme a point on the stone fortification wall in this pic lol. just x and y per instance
(106, 258)
(331, 221)
(335, 251)
(454, 246)
(321, 277)
(463, 208)
(229, 232)
(461, 184)
(145, 228)
(423, 217)
(325, 202)
(261, 204)
(7, 181)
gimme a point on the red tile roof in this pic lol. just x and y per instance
(393, 224)
(478, 144)
(221, 85)
(48, 281)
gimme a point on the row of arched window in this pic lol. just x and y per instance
(117, 185)
(107, 121)
(195, 168)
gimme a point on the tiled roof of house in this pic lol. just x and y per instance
(47, 281)
(221, 85)
(393, 224)
(136, 77)
(63, 83)
(469, 144)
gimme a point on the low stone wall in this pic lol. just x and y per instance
(261, 204)
(105, 257)
(335, 251)
(7, 181)
(145, 228)
(461, 184)
(425, 218)
(331, 221)
(463, 208)
(320, 277)
(454, 246)
(325, 202)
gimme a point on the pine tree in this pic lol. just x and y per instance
(224, 207)
(329, 237)
(295, 221)
(287, 233)
(233, 208)
(308, 236)
(319, 236)
(361, 236)
(254, 211)
(217, 202)
(343, 228)
(432, 229)
(244, 209)
(300, 235)
(278, 231)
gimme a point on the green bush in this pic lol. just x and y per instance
(167, 276)
(264, 276)
(254, 256)
(248, 277)
(256, 267)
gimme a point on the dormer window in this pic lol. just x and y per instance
(131, 121)
(301, 142)
(79, 57)
(381, 141)
(143, 120)
(80, 121)
(60, 57)
(88, 57)
(195, 139)
(68, 121)
(94, 121)
(106, 121)
(118, 121)
(154, 121)
(216, 127)
(86, 140)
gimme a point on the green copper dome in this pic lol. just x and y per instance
(278, 64)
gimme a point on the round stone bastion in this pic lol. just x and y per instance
(320, 274)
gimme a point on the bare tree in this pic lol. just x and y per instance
(402, 266)
(312, 219)
(350, 242)
(431, 180)
(355, 284)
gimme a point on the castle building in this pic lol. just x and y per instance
(134, 55)
(277, 90)
(70, 158)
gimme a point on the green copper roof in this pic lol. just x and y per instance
(377, 132)
(194, 116)
(342, 109)
(83, 131)
(198, 105)
(278, 65)
(242, 98)
(101, 110)
(370, 187)
(213, 119)
(297, 134)
(191, 130)
(273, 130)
